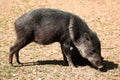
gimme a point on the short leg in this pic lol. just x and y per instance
(67, 53)
(11, 56)
(17, 57)
(20, 43)
(64, 57)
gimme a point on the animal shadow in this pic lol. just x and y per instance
(77, 59)
(43, 62)
(108, 65)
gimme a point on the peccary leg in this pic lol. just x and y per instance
(20, 43)
(17, 57)
(67, 53)
(64, 57)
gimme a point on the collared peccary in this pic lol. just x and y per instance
(45, 26)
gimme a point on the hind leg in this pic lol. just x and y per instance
(20, 43)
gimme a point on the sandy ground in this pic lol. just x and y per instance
(102, 16)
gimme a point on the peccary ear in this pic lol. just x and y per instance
(86, 36)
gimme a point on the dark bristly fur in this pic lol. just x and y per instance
(45, 26)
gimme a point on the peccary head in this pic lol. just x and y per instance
(90, 48)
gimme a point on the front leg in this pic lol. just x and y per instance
(67, 53)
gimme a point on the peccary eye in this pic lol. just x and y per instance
(93, 51)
